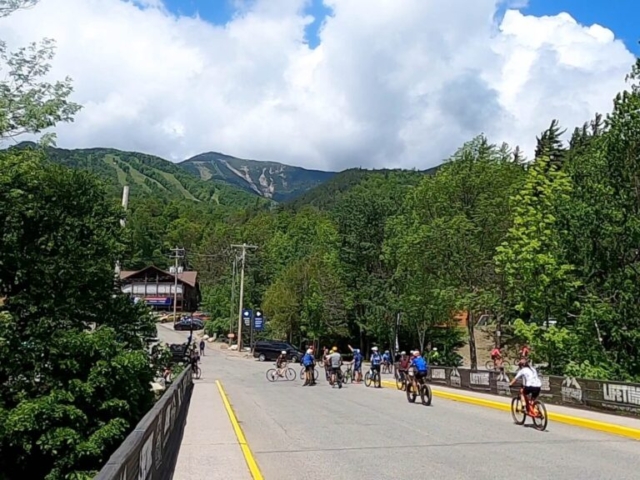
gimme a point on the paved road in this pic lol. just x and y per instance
(318, 432)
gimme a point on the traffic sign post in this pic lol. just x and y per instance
(258, 320)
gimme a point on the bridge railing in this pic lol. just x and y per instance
(151, 450)
(597, 395)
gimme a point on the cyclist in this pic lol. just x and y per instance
(421, 368)
(531, 383)
(403, 367)
(357, 364)
(496, 356)
(202, 348)
(281, 363)
(193, 360)
(309, 364)
(335, 361)
(376, 361)
(386, 359)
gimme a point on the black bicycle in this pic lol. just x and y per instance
(347, 377)
(423, 390)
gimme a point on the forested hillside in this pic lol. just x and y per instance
(527, 241)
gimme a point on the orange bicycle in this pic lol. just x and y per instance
(534, 409)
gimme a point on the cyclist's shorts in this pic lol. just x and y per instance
(357, 368)
(308, 368)
(375, 368)
(421, 375)
(336, 370)
(533, 391)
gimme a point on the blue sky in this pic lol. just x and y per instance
(618, 15)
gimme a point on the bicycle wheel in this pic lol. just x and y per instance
(517, 411)
(302, 373)
(290, 374)
(198, 373)
(400, 383)
(425, 394)
(489, 365)
(376, 379)
(540, 420)
(367, 379)
(411, 394)
(271, 374)
(315, 373)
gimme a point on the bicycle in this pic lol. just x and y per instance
(196, 372)
(491, 366)
(339, 378)
(372, 377)
(386, 367)
(347, 376)
(534, 409)
(288, 374)
(400, 380)
(423, 389)
(315, 373)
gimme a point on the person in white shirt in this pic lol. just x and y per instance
(531, 383)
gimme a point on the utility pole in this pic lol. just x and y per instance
(244, 248)
(177, 253)
(123, 222)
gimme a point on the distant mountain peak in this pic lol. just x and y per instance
(272, 180)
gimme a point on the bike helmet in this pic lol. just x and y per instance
(403, 353)
(374, 349)
(416, 353)
(309, 351)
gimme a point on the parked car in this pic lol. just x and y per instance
(270, 350)
(185, 324)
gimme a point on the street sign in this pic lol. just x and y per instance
(258, 320)
(246, 317)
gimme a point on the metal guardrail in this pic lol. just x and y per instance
(150, 452)
(597, 395)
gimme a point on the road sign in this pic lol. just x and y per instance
(258, 320)
(246, 317)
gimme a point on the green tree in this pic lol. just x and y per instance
(68, 394)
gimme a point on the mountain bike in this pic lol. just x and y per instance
(315, 373)
(423, 390)
(401, 383)
(196, 372)
(372, 377)
(534, 409)
(287, 374)
(506, 366)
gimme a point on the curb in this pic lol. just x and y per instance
(611, 428)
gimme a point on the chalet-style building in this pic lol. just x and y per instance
(156, 287)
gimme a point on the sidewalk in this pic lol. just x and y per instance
(210, 448)
(615, 424)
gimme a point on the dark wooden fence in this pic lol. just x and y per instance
(151, 450)
(610, 397)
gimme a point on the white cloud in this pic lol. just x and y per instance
(391, 84)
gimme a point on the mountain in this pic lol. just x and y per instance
(328, 194)
(146, 175)
(270, 180)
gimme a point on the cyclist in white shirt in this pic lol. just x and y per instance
(531, 383)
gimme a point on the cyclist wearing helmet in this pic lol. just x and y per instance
(376, 361)
(357, 363)
(335, 360)
(308, 360)
(281, 362)
(403, 367)
(420, 368)
(531, 383)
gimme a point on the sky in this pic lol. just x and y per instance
(329, 84)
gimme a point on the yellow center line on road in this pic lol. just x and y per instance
(611, 428)
(246, 451)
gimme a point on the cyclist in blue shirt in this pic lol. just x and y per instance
(420, 368)
(308, 361)
(376, 361)
(357, 364)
